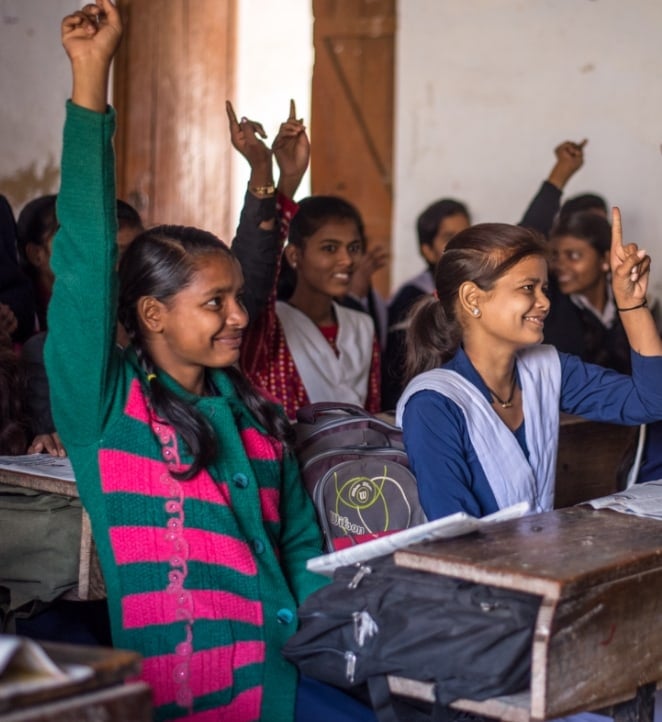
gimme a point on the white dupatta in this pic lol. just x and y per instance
(325, 376)
(511, 477)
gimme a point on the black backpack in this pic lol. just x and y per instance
(376, 619)
(356, 471)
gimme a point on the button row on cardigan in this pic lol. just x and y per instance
(284, 616)
(258, 546)
(240, 480)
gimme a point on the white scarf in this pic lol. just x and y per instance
(511, 477)
(325, 376)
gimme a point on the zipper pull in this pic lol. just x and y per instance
(356, 579)
(350, 666)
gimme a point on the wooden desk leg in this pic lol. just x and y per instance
(85, 557)
(640, 708)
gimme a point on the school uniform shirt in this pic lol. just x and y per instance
(443, 458)
(203, 576)
(291, 360)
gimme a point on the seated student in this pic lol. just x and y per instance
(583, 319)
(435, 226)
(481, 414)
(434, 232)
(201, 522)
(14, 422)
(36, 227)
(309, 348)
(44, 436)
(15, 288)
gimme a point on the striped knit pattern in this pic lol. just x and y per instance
(203, 576)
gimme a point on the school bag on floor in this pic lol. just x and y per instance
(356, 471)
(376, 619)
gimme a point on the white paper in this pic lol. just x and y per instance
(450, 526)
(55, 467)
(640, 499)
(25, 667)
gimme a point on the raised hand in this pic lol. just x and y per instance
(291, 148)
(246, 137)
(90, 38)
(630, 267)
(371, 261)
(92, 33)
(569, 159)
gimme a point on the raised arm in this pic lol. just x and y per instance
(256, 242)
(630, 273)
(81, 356)
(546, 203)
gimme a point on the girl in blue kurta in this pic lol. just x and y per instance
(481, 413)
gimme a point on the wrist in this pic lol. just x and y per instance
(266, 190)
(559, 177)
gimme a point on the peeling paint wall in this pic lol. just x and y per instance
(34, 83)
(487, 88)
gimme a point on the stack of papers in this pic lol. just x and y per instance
(640, 499)
(449, 526)
(55, 467)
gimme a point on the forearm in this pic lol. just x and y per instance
(642, 331)
(257, 249)
(81, 341)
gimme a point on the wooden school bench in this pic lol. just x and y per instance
(90, 581)
(104, 695)
(598, 637)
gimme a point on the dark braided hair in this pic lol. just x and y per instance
(160, 263)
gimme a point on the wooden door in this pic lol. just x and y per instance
(352, 110)
(173, 73)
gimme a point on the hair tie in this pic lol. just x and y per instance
(151, 377)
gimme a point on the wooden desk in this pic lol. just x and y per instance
(598, 636)
(103, 696)
(589, 455)
(90, 581)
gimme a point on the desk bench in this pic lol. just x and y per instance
(90, 581)
(598, 635)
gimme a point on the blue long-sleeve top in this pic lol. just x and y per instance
(449, 475)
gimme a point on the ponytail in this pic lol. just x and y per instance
(432, 338)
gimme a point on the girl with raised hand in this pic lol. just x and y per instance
(481, 413)
(309, 348)
(199, 516)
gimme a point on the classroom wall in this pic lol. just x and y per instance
(487, 88)
(34, 82)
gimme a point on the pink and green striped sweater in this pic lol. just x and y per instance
(203, 576)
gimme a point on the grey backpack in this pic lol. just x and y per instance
(356, 471)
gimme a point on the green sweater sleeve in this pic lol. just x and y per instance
(301, 538)
(81, 355)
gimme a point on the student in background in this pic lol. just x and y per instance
(198, 512)
(310, 348)
(36, 227)
(15, 288)
(481, 414)
(14, 422)
(435, 226)
(583, 319)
